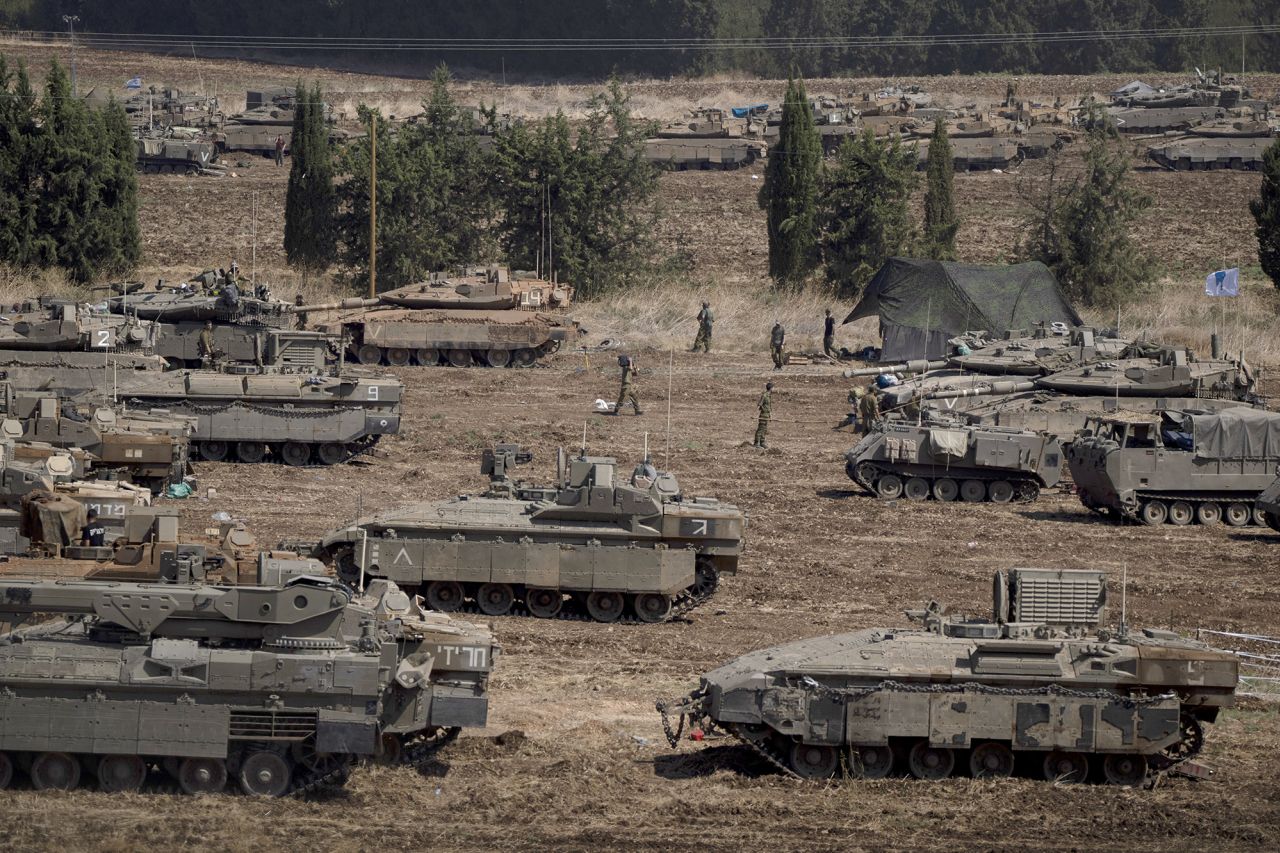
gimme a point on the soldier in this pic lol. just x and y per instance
(869, 409)
(851, 419)
(302, 315)
(205, 347)
(776, 339)
(705, 319)
(625, 393)
(766, 411)
(93, 534)
(280, 150)
(829, 335)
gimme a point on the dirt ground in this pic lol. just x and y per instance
(592, 769)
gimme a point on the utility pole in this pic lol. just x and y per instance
(71, 21)
(373, 205)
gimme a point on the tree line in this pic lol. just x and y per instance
(672, 20)
(68, 181)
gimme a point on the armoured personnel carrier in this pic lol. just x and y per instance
(1178, 467)
(610, 546)
(479, 317)
(1041, 680)
(172, 154)
(279, 687)
(1268, 505)
(950, 461)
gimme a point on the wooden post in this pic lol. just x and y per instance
(373, 205)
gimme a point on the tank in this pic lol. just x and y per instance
(1163, 119)
(1166, 372)
(61, 325)
(277, 687)
(1043, 352)
(1041, 684)
(1197, 153)
(73, 373)
(710, 141)
(618, 549)
(482, 317)
(1178, 467)
(174, 155)
(949, 461)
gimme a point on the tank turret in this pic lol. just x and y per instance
(1042, 680)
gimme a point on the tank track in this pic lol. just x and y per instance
(1193, 498)
(330, 776)
(422, 750)
(359, 447)
(765, 750)
(1025, 488)
(682, 604)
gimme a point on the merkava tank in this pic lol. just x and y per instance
(711, 140)
(484, 316)
(1163, 119)
(612, 547)
(1237, 145)
(61, 325)
(174, 153)
(949, 461)
(1041, 684)
(279, 687)
(1178, 467)
(975, 153)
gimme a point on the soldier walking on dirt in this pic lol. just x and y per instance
(280, 150)
(766, 411)
(705, 319)
(868, 410)
(626, 394)
(829, 335)
(776, 338)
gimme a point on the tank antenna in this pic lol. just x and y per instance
(671, 365)
(584, 439)
(1124, 600)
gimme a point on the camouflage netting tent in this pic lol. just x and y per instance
(922, 303)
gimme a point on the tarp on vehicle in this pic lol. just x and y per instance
(949, 442)
(1239, 433)
(923, 303)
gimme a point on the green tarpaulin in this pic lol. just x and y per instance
(922, 303)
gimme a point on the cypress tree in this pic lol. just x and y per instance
(940, 223)
(310, 199)
(121, 247)
(1266, 212)
(790, 191)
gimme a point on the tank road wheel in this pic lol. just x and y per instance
(1070, 767)
(120, 773)
(460, 357)
(427, 357)
(214, 451)
(651, 606)
(544, 603)
(1154, 513)
(1128, 770)
(1270, 519)
(930, 762)
(397, 356)
(991, 760)
(872, 762)
(265, 774)
(495, 599)
(604, 606)
(1237, 514)
(889, 487)
(55, 771)
(524, 357)
(916, 489)
(946, 489)
(812, 761)
(1181, 513)
(331, 453)
(6, 770)
(295, 453)
(498, 357)
(1000, 492)
(445, 596)
(368, 354)
(251, 451)
(202, 775)
(1260, 517)
(973, 491)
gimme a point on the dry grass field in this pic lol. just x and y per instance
(592, 770)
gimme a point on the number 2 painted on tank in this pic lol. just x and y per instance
(103, 337)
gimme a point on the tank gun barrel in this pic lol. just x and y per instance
(989, 390)
(917, 365)
(311, 609)
(339, 305)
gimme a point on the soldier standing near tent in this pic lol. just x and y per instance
(829, 335)
(869, 410)
(776, 339)
(766, 411)
(703, 339)
(625, 393)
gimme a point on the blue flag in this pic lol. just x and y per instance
(133, 83)
(1223, 283)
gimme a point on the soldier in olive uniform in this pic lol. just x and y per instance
(705, 319)
(829, 335)
(626, 394)
(869, 410)
(766, 411)
(776, 339)
(208, 353)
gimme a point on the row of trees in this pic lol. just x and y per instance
(68, 182)
(846, 217)
(577, 204)
(669, 23)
